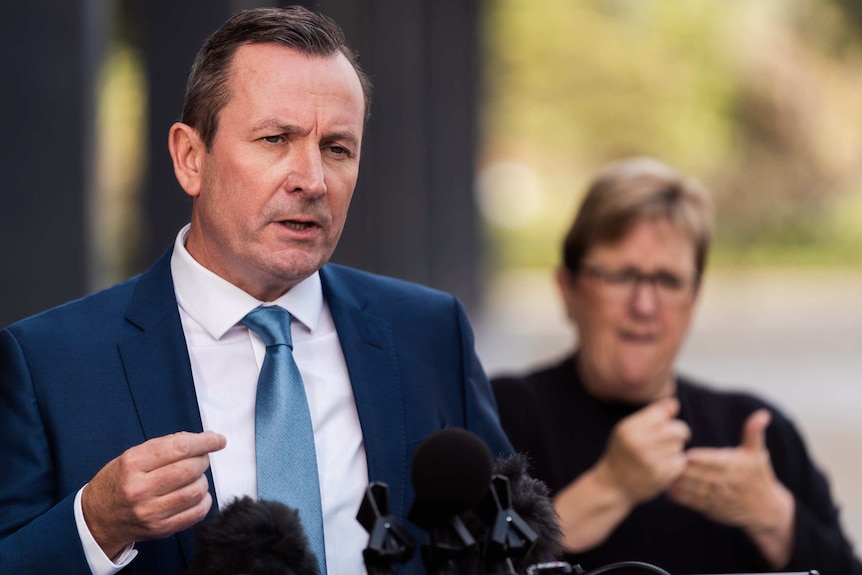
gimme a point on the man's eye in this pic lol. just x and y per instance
(272, 139)
(339, 150)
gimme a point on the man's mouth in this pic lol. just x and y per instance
(297, 225)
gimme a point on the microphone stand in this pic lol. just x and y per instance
(450, 544)
(509, 536)
(388, 542)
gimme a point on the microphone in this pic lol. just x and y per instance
(254, 538)
(516, 520)
(530, 499)
(451, 474)
(483, 516)
(508, 535)
(388, 542)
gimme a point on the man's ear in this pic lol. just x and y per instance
(187, 152)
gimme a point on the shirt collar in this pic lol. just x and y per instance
(217, 305)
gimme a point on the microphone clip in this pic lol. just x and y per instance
(509, 535)
(388, 542)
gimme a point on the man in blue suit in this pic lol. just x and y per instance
(104, 462)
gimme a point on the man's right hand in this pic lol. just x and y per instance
(645, 453)
(151, 491)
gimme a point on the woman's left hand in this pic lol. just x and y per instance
(737, 486)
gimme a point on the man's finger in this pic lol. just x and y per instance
(168, 449)
(178, 474)
(183, 498)
(179, 511)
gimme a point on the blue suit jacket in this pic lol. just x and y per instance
(81, 383)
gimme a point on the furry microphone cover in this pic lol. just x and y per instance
(254, 538)
(529, 499)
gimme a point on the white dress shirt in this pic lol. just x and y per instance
(226, 359)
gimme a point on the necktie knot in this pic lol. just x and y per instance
(271, 323)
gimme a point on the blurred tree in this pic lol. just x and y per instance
(757, 99)
(852, 9)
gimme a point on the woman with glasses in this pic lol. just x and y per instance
(645, 464)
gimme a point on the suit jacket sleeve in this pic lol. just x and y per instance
(37, 533)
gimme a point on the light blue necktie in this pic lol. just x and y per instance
(284, 439)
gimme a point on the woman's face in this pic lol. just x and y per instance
(632, 303)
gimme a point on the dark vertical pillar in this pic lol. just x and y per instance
(413, 215)
(171, 33)
(48, 76)
(453, 82)
(387, 230)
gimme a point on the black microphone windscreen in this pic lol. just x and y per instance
(451, 473)
(530, 498)
(254, 538)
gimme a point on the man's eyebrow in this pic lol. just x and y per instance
(347, 136)
(275, 124)
(282, 128)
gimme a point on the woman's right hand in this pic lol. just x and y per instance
(645, 452)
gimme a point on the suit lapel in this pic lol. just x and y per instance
(157, 366)
(369, 351)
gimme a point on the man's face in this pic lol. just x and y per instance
(630, 332)
(273, 193)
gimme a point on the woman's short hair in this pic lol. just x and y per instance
(629, 191)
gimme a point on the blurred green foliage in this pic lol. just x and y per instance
(760, 100)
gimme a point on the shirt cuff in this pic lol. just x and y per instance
(100, 564)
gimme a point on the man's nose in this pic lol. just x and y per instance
(306, 171)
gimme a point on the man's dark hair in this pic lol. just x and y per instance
(310, 33)
(254, 538)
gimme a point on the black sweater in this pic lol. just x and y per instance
(550, 416)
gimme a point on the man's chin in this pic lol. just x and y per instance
(297, 262)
